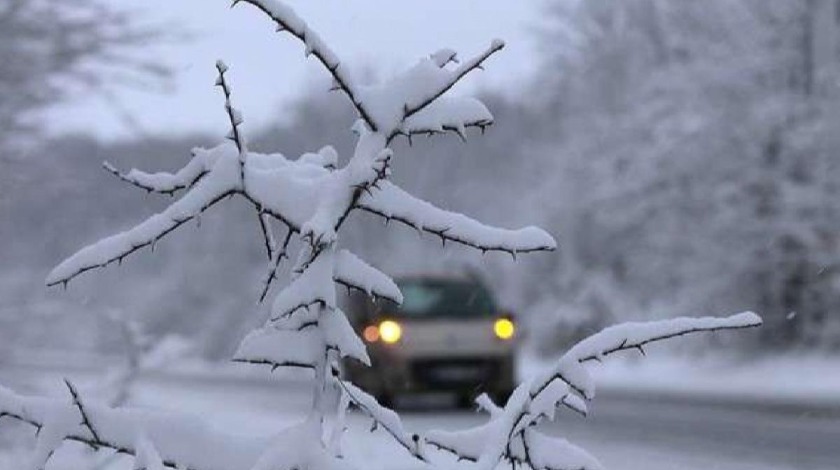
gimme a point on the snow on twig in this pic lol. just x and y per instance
(383, 417)
(512, 435)
(235, 119)
(181, 440)
(278, 253)
(287, 20)
(393, 203)
(163, 183)
(352, 272)
(418, 103)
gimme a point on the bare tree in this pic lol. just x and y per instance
(50, 49)
(311, 197)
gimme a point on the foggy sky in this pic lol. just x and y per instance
(267, 69)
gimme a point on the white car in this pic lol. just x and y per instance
(448, 335)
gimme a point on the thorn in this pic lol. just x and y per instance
(461, 133)
(280, 28)
(641, 350)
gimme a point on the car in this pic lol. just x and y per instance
(447, 335)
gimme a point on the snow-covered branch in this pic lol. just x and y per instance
(417, 103)
(179, 440)
(208, 191)
(384, 418)
(278, 254)
(168, 183)
(287, 20)
(352, 272)
(393, 203)
(234, 117)
(629, 336)
(512, 435)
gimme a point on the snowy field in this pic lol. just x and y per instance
(625, 430)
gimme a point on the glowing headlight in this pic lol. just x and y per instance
(390, 331)
(371, 333)
(504, 328)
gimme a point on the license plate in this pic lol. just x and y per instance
(457, 373)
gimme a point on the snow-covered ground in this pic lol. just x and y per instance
(625, 430)
(784, 380)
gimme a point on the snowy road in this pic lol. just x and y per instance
(625, 433)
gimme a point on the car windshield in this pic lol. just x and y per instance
(444, 298)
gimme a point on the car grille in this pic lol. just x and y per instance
(455, 372)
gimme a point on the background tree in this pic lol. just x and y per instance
(51, 50)
(696, 157)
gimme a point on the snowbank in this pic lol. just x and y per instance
(782, 380)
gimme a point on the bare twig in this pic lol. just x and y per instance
(86, 422)
(235, 118)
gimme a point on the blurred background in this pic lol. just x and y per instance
(684, 155)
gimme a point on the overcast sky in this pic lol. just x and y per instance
(268, 69)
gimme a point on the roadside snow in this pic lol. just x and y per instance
(771, 380)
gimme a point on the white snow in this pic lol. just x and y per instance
(392, 202)
(352, 271)
(282, 347)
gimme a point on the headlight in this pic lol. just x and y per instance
(504, 328)
(371, 333)
(390, 331)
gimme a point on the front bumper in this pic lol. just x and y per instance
(392, 375)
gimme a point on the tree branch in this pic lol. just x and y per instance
(387, 419)
(143, 180)
(393, 203)
(235, 118)
(279, 253)
(77, 400)
(457, 74)
(287, 20)
(267, 233)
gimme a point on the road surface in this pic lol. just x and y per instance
(624, 432)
